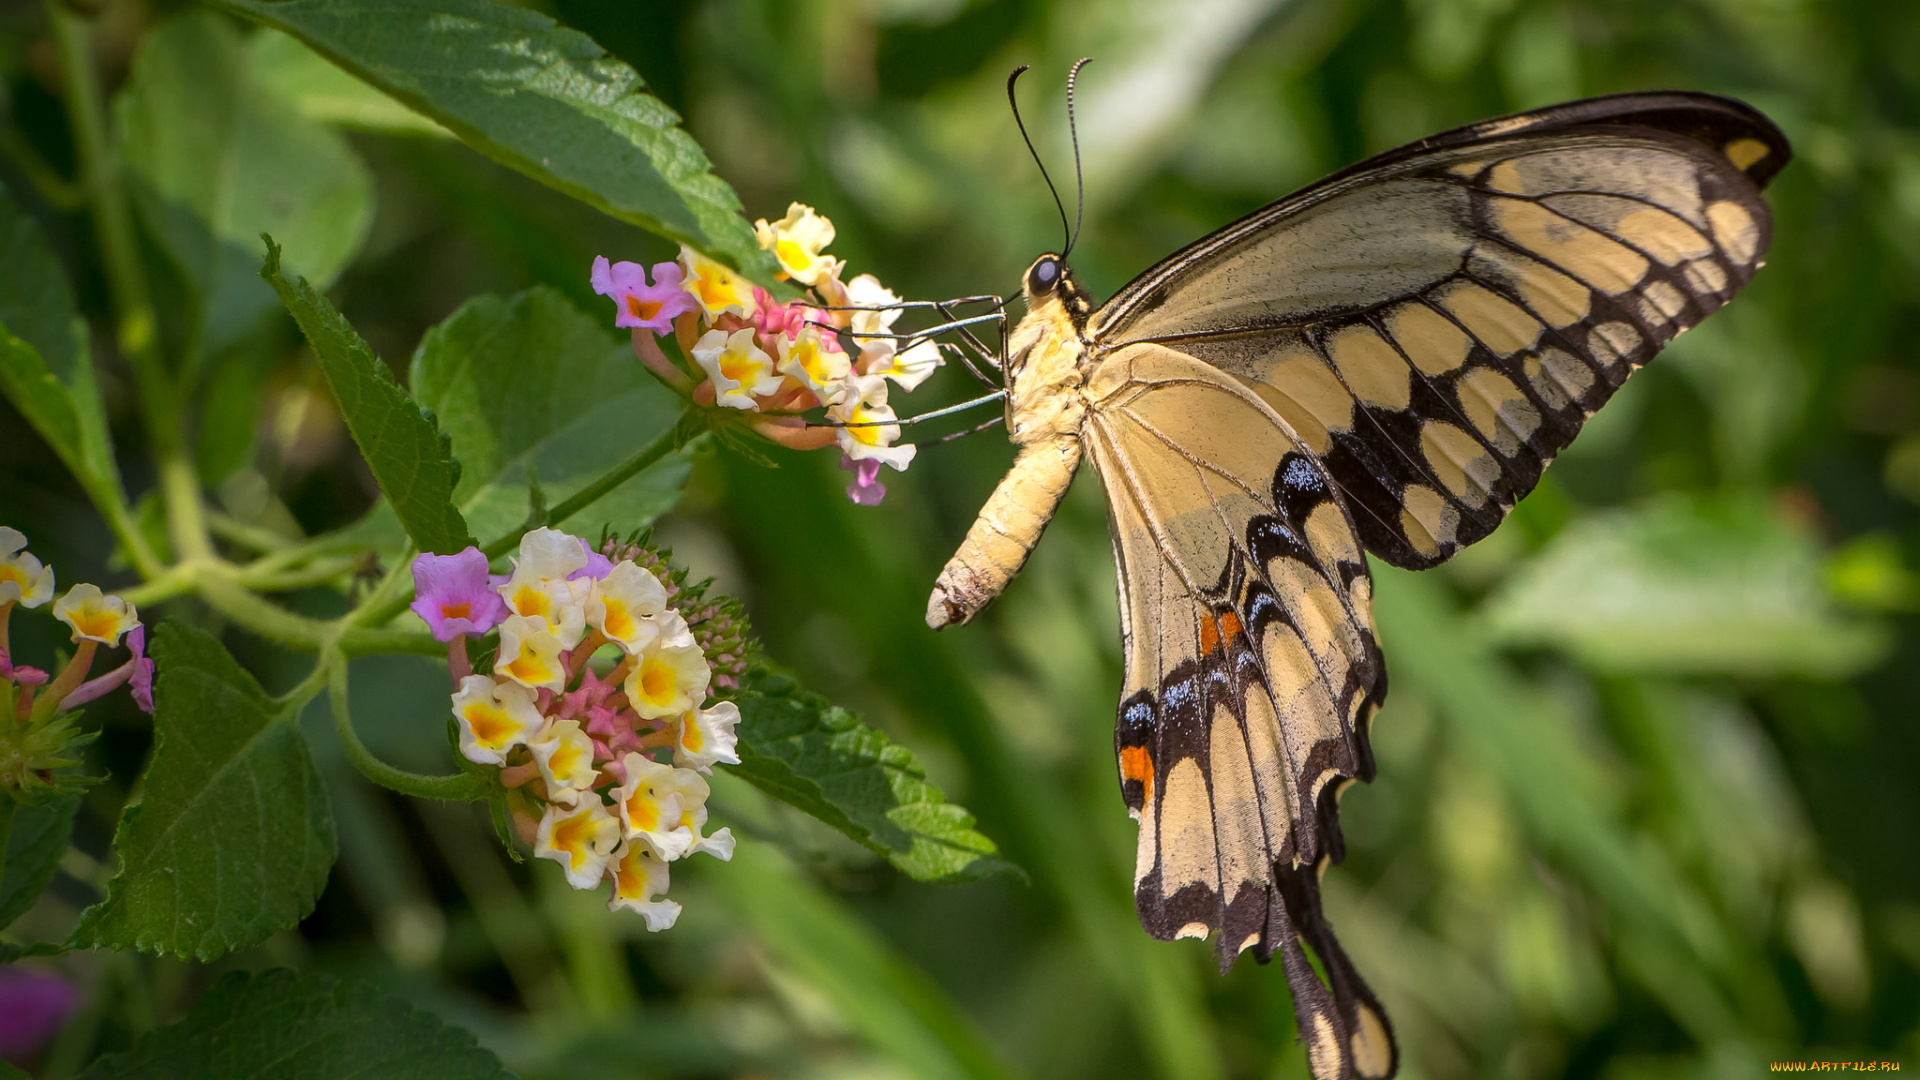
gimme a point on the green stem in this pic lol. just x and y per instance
(648, 456)
(459, 787)
(186, 518)
(113, 219)
(99, 183)
(260, 615)
(381, 598)
(304, 578)
(251, 537)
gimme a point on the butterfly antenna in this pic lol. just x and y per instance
(1079, 184)
(1011, 100)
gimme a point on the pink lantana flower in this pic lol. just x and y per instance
(866, 489)
(454, 596)
(136, 672)
(643, 306)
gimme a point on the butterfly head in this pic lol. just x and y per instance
(1049, 281)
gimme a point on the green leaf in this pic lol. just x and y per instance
(1682, 586)
(288, 1026)
(535, 97)
(408, 454)
(46, 367)
(322, 92)
(232, 838)
(582, 408)
(33, 847)
(217, 158)
(819, 758)
(879, 993)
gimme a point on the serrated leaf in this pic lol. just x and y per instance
(536, 97)
(35, 839)
(287, 1026)
(406, 451)
(819, 758)
(1680, 585)
(216, 159)
(584, 406)
(232, 838)
(46, 369)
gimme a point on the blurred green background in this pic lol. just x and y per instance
(1649, 793)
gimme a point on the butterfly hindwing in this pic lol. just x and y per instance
(1437, 324)
(1251, 674)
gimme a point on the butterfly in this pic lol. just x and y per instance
(1383, 363)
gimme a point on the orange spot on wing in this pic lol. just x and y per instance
(1209, 635)
(1137, 764)
(1229, 626)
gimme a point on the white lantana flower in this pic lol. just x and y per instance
(872, 329)
(649, 806)
(95, 616)
(715, 288)
(706, 736)
(911, 368)
(671, 674)
(798, 242)
(582, 839)
(494, 718)
(866, 406)
(738, 367)
(806, 358)
(565, 756)
(624, 605)
(530, 654)
(23, 579)
(539, 588)
(639, 875)
(692, 792)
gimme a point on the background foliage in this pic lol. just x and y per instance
(1648, 800)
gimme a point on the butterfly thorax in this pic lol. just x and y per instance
(1045, 356)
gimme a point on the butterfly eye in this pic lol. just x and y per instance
(1045, 273)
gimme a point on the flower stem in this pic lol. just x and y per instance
(99, 180)
(648, 456)
(459, 787)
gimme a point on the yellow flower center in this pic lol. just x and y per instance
(618, 622)
(572, 835)
(11, 573)
(630, 876)
(529, 668)
(793, 256)
(565, 760)
(643, 813)
(657, 683)
(530, 600)
(716, 291)
(807, 353)
(492, 728)
(690, 738)
(868, 435)
(739, 365)
(96, 622)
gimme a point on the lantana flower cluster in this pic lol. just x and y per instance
(781, 360)
(36, 709)
(599, 709)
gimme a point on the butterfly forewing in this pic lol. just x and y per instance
(1436, 327)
